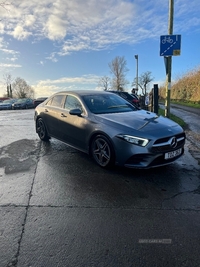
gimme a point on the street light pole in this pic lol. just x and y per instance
(136, 57)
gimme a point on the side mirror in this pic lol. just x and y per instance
(75, 111)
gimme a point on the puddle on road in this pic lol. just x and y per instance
(19, 156)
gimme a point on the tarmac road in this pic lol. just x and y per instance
(192, 117)
(189, 109)
(58, 208)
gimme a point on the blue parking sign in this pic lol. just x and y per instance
(170, 45)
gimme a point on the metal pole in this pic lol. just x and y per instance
(169, 61)
(136, 57)
(155, 98)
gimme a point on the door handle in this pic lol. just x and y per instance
(63, 115)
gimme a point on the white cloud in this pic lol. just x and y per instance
(2, 28)
(13, 59)
(11, 55)
(56, 18)
(29, 20)
(86, 79)
(52, 57)
(93, 24)
(19, 33)
(2, 65)
(99, 22)
(49, 87)
(7, 51)
(56, 28)
(3, 44)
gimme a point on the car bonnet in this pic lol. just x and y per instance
(140, 120)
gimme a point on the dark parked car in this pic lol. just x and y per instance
(23, 103)
(136, 99)
(4, 98)
(7, 104)
(110, 129)
(38, 101)
(131, 98)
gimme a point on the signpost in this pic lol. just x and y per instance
(170, 45)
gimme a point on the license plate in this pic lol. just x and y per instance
(173, 154)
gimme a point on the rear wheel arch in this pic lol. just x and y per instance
(42, 130)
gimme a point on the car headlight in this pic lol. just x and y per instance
(134, 139)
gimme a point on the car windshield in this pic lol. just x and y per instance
(7, 101)
(21, 100)
(107, 103)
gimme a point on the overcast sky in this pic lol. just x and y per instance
(68, 44)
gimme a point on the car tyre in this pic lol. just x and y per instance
(41, 130)
(102, 151)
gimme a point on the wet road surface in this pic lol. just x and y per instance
(58, 208)
(192, 117)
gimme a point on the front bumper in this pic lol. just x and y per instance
(153, 155)
(147, 161)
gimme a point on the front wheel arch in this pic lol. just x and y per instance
(101, 150)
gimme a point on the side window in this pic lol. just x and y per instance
(124, 96)
(49, 102)
(72, 103)
(56, 101)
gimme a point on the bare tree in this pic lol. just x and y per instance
(118, 69)
(21, 89)
(104, 82)
(8, 80)
(4, 5)
(143, 81)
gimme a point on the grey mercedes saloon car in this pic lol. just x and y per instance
(110, 129)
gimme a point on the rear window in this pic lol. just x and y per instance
(126, 96)
(55, 101)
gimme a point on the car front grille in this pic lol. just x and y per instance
(168, 144)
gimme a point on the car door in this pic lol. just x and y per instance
(74, 128)
(51, 114)
(29, 103)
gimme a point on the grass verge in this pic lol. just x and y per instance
(184, 103)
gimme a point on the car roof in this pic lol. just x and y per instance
(81, 92)
(23, 99)
(116, 91)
